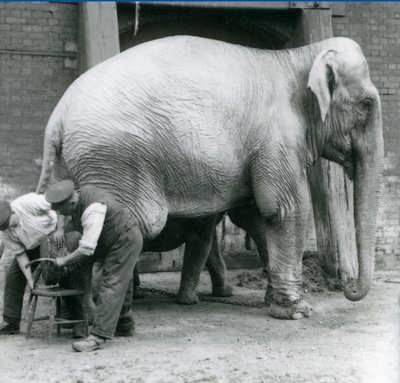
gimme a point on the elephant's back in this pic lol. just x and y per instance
(176, 87)
(170, 65)
(164, 126)
(184, 51)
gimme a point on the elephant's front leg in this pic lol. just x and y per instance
(286, 241)
(281, 192)
(217, 268)
(197, 249)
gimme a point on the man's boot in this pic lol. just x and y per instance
(91, 343)
(9, 328)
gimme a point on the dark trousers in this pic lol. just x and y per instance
(14, 289)
(15, 286)
(114, 298)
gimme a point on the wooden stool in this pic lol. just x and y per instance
(56, 293)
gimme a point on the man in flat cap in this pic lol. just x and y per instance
(24, 224)
(109, 235)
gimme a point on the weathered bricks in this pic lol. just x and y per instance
(31, 85)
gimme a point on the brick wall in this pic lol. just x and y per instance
(38, 44)
(376, 27)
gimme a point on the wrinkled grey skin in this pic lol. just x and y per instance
(189, 127)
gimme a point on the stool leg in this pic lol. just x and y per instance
(86, 319)
(85, 314)
(51, 321)
(28, 306)
(58, 314)
(31, 314)
(30, 300)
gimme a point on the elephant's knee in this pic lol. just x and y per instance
(268, 207)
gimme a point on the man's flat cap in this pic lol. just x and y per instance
(59, 192)
(5, 213)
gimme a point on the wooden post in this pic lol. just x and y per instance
(331, 190)
(98, 33)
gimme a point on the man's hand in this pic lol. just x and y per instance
(60, 261)
(58, 237)
(30, 283)
(23, 262)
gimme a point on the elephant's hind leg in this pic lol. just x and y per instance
(197, 249)
(217, 268)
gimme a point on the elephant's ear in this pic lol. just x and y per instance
(322, 79)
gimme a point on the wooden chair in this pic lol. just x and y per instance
(55, 292)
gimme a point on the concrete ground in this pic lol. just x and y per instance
(344, 342)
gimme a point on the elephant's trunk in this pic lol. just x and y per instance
(367, 184)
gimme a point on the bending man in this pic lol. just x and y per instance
(108, 235)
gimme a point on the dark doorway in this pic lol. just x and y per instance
(257, 28)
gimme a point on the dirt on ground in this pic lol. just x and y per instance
(344, 342)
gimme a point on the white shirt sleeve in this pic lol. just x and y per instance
(11, 243)
(92, 224)
(36, 219)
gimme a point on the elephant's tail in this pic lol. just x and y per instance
(51, 149)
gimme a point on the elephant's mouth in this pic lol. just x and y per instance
(349, 164)
(349, 169)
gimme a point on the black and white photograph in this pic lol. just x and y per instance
(199, 192)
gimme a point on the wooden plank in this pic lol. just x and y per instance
(332, 195)
(267, 5)
(331, 190)
(166, 261)
(338, 9)
(278, 5)
(172, 260)
(98, 33)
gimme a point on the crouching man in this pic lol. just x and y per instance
(109, 236)
(24, 224)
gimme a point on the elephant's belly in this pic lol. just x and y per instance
(208, 198)
(172, 236)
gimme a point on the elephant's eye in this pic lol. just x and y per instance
(366, 103)
(363, 110)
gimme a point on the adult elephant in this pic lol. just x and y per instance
(189, 127)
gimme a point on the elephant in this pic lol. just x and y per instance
(188, 127)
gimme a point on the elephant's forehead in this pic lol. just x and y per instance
(353, 64)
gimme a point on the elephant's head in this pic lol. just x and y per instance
(350, 133)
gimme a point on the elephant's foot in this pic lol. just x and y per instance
(297, 310)
(187, 297)
(222, 291)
